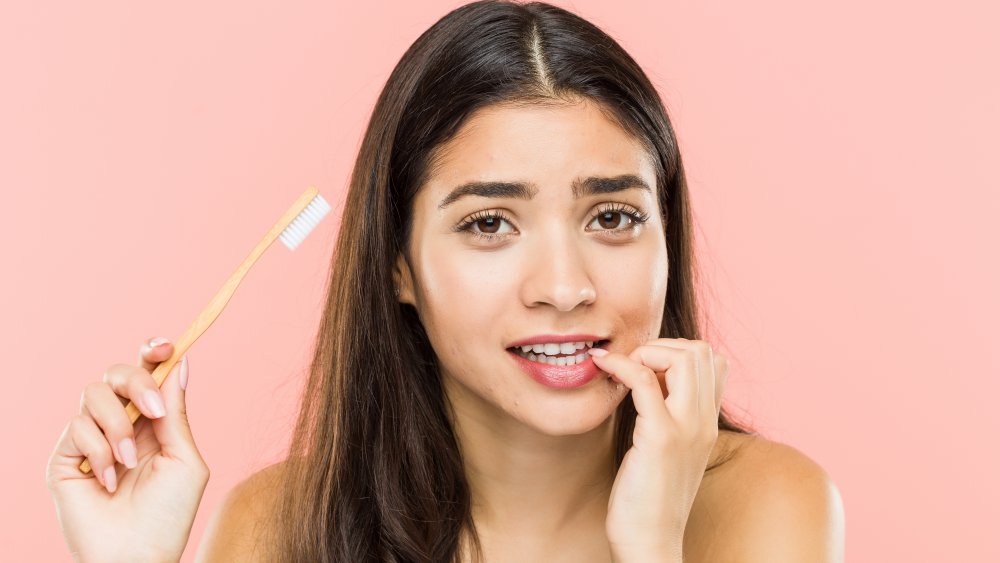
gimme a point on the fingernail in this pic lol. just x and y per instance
(110, 478)
(597, 352)
(154, 403)
(158, 341)
(184, 372)
(127, 450)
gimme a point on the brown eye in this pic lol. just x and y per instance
(487, 225)
(609, 219)
(618, 219)
(490, 225)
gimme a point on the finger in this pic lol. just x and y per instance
(137, 385)
(706, 380)
(106, 409)
(173, 431)
(154, 351)
(87, 441)
(645, 385)
(663, 353)
(721, 376)
(700, 353)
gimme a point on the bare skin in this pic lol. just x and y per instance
(147, 479)
(768, 503)
(539, 459)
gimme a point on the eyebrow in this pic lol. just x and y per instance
(525, 190)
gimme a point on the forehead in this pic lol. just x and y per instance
(548, 145)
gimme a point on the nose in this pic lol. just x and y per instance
(558, 275)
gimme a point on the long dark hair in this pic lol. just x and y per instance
(374, 471)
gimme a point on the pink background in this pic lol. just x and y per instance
(840, 156)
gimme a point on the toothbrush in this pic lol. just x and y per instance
(293, 227)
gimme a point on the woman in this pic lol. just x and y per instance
(518, 201)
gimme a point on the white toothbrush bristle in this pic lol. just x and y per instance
(299, 229)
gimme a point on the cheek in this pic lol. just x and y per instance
(463, 299)
(636, 288)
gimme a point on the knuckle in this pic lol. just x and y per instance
(78, 424)
(114, 372)
(118, 426)
(87, 438)
(91, 391)
(204, 472)
(637, 354)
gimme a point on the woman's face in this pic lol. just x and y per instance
(494, 267)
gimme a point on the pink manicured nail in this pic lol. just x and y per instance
(597, 352)
(158, 341)
(110, 479)
(154, 403)
(127, 450)
(184, 372)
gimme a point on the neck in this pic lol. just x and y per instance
(524, 482)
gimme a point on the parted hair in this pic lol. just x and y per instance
(374, 471)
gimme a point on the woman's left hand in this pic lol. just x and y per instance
(659, 476)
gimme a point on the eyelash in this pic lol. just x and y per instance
(637, 217)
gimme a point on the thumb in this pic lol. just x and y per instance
(173, 431)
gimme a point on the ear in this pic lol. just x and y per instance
(403, 277)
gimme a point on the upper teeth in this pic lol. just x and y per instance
(551, 349)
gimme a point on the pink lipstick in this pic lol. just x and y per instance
(556, 376)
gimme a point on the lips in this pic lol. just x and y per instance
(558, 377)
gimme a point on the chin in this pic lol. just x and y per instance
(562, 416)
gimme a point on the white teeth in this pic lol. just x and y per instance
(547, 353)
(556, 361)
(553, 349)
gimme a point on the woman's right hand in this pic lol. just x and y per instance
(142, 511)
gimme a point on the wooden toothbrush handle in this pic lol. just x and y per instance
(218, 303)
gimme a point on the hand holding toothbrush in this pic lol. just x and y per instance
(143, 511)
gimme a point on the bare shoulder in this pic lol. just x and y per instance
(232, 532)
(769, 502)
